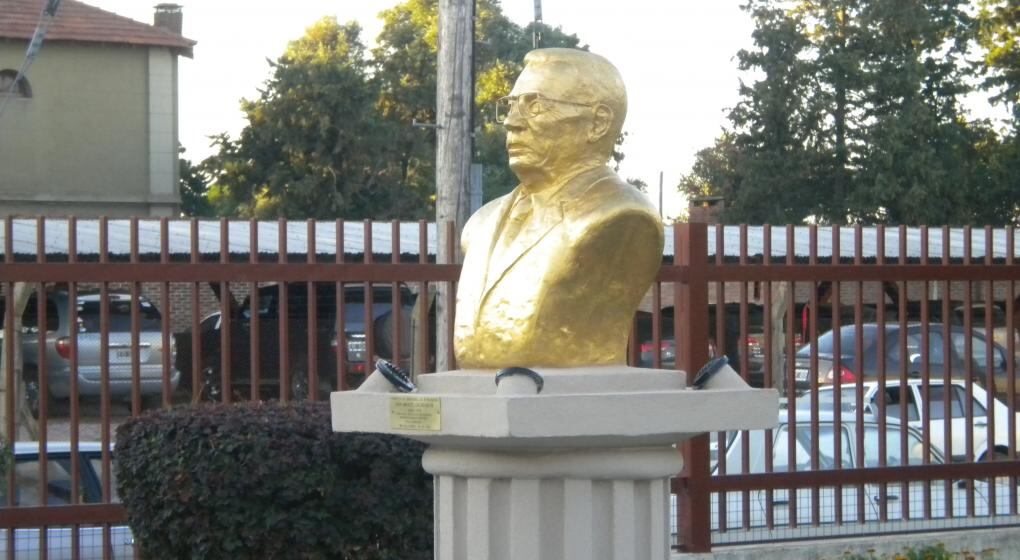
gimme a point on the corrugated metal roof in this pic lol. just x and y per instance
(76, 21)
(179, 242)
(56, 236)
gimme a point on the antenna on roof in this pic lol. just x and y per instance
(536, 33)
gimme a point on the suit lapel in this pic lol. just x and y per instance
(499, 266)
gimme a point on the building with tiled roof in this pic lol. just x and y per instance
(92, 129)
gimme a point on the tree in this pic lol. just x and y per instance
(194, 189)
(856, 118)
(332, 134)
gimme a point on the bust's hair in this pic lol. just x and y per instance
(596, 80)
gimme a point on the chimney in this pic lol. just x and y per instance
(169, 17)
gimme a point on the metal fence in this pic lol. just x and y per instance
(125, 315)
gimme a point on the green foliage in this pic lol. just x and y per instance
(332, 135)
(270, 480)
(928, 552)
(856, 118)
(194, 189)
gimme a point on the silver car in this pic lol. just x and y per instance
(728, 507)
(119, 352)
(60, 540)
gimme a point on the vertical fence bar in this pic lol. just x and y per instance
(422, 346)
(813, 374)
(369, 313)
(837, 374)
(968, 351)
(769, 357)
(197, 375)
(313, 321)
(104, 377)
(1012, 333)
(226, 319)
(925, 408)
(10, 387)
(859, 360)
(451, 249)
(791, 379)
(283, 316)
(717, 309)
(74, 410)
(164, 304)
(991, 384)
(340, 339)
(883, 452)
(691, 248)
(745, 365)
(903, 296)
(42, 379)
(136, 371)
(254, 318)
(396, 301)
(947, 372)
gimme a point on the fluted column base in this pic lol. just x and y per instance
(593, 504)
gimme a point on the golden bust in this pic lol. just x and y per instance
(553, 272)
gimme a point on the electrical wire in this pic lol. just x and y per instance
(49, 11)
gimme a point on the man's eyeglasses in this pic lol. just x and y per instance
(528, 105)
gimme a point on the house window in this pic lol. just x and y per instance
(7, 77)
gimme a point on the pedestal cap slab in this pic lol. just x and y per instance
(608, 406)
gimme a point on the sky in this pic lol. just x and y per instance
(677, 58)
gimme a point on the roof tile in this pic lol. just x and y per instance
(76, 21)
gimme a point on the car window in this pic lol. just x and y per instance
(97, 467)
(803, 448)
(894, 403)
(893, 448)
(149, 318)
(30, 318)
(58, 482)
(958, 396)
(895, 351)
(978, 351)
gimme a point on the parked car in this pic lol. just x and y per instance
(60, 539)
(1000, 326)
(734, 347)
(56, 343)
(912, 356)
(783, 505)
(350, 349)
(912, 399)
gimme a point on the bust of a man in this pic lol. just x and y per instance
(554, 271)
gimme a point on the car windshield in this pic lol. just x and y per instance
(120, 315)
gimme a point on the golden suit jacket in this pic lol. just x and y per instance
(566, 291)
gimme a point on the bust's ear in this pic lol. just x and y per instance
(601, 122)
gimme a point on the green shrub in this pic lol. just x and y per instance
(267, 481)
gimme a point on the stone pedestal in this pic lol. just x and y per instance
(584, 504)
(578, 471)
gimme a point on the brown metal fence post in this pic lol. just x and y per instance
(691, 251)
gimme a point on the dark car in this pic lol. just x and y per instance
(350, 349)
(912, 356)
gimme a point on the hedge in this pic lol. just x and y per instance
(270, 480)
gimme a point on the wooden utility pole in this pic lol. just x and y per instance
(454, 104)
